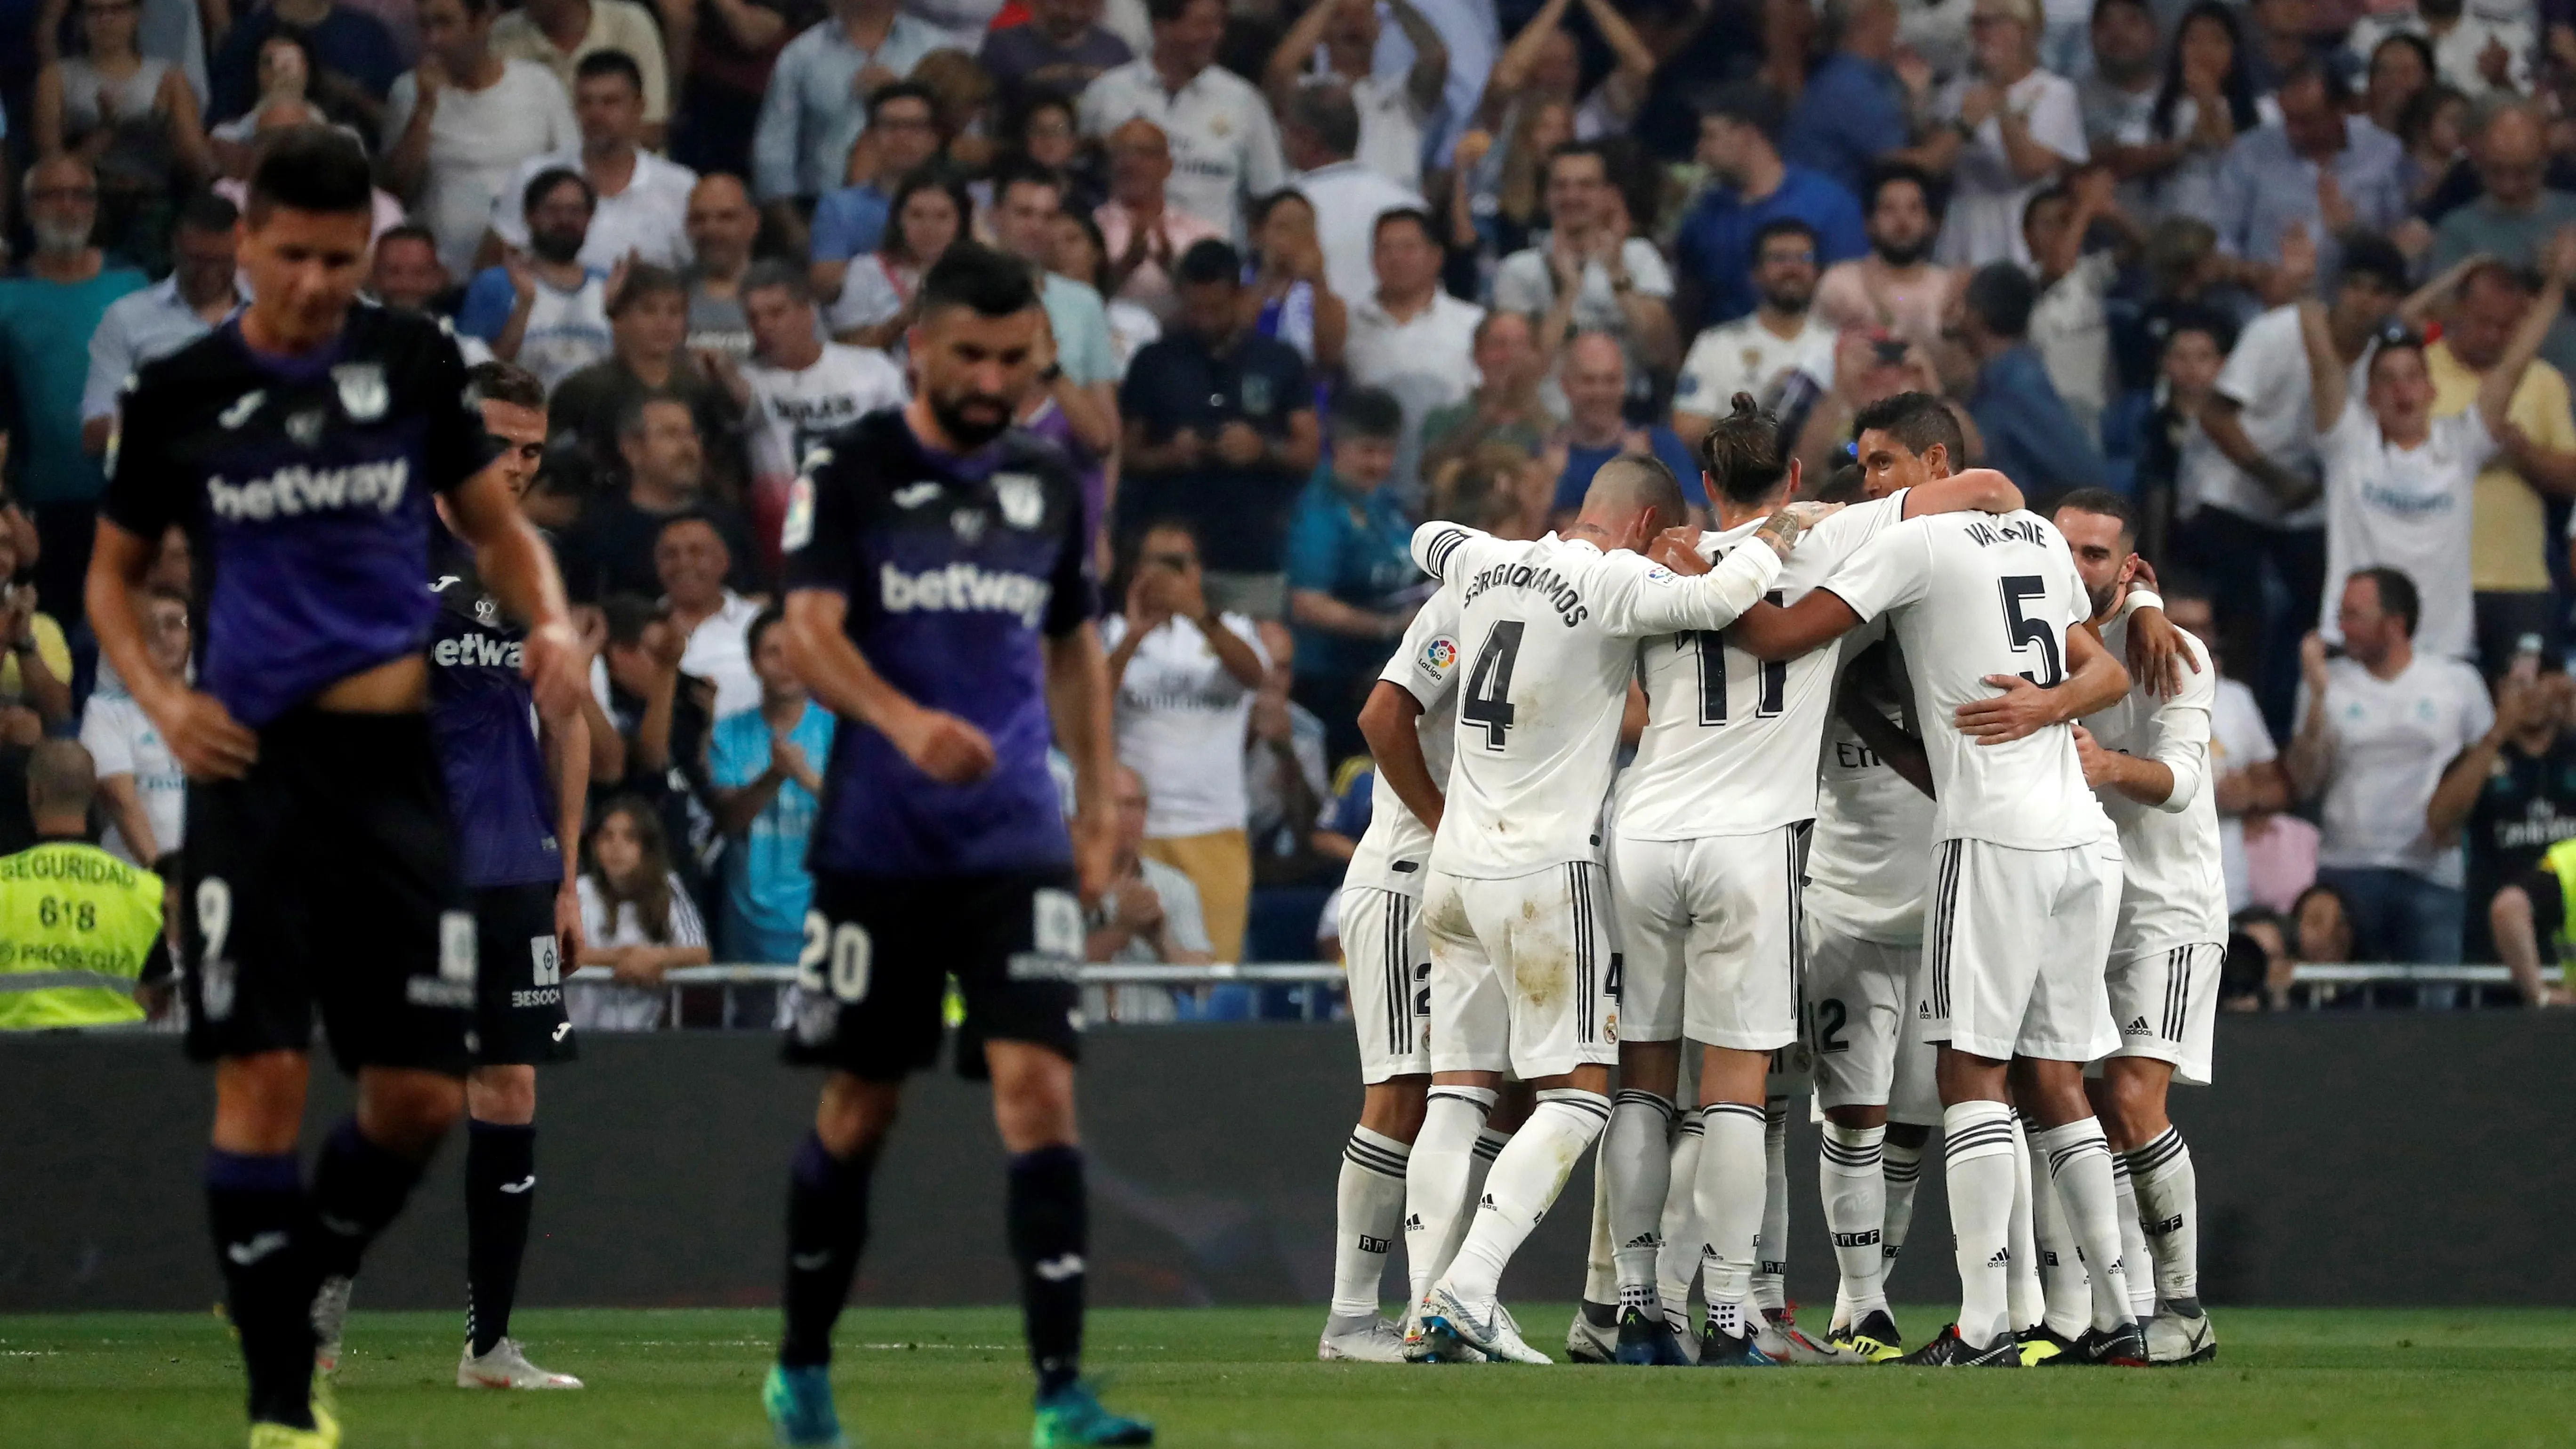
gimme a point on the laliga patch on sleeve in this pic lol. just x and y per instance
(798, 529)
(1658, 574)
(1440, 656)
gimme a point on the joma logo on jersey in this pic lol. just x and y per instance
(289, 492)
(966, 589)
(477, 651)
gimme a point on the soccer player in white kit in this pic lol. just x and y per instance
(2026, 880)
(1387, 957)
(1521, 966)
(2147, 758)
(1707, 855)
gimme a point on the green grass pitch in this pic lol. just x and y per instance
(1247, 1377)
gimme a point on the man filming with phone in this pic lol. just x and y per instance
(1185, 676)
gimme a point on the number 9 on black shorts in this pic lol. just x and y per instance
(878, 953)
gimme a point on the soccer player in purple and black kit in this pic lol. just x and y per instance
(939, 600)
(299, 445)
(516, 795)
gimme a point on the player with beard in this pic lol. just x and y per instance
(2025, 888)
(2148, 760)
(1896, 290)
(300, 445)
(939, 600)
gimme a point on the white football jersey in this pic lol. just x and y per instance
(1394, 853)
(1548, 629)
(1870, 857)
(1968, 595)
(2173, 883)
(1729, 739)
(793, 411)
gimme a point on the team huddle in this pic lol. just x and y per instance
(1900, 831)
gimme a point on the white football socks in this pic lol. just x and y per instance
(1523, 1184)
(1637, 1163)
(1368, 1207)
(2021, 1275)
(1854, 1191)
(1901, 1167)
(2061, 1268)
(1771, 1245)
(2169, 1202)
(1977, 1153)
(1677, 1261)
(2079, 1159)
(1436, 1180)
(1727, 1199)
(2136, 1257)
(1600, 1269)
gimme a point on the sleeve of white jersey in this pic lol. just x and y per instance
(1639, 597)
(2178, 737)
(1892, 569)
(1425, 665)
(1437, 547)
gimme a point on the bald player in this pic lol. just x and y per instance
(1521, 973)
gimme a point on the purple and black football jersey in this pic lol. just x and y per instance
(484, 716)
(304, 485)
(956, 571)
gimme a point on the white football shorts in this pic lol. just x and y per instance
(1522, 978)
(1388, 959)
(1860, 994)
(2015, 943)
(2166, 1005)
(1708, 937)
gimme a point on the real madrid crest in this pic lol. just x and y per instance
(1022, 497)
(362, 390)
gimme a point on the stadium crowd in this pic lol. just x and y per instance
(1316, 273)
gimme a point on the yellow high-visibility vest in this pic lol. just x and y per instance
(76, 926)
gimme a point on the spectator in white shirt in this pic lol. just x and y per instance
(1336, 40)
(2010, 129)
(1143, 232)
(1618, 283)
(561, 34)
(2069, 328)
(544, 310)
(1767, 350)
(636, 919)
(1223, 138)
(2245, 769)
(1148, 914)
(140, 785)
(1185, 677)
(2399, 481)
(459, 125)
(643, 208)
(690, 558)
(141, 326)
(1320, 129)
(2475, 54)
(2377, 728)
(1410, 337)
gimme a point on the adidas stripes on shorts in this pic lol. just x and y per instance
(1522, 977)
(2165, 1002)
(1387, 958)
